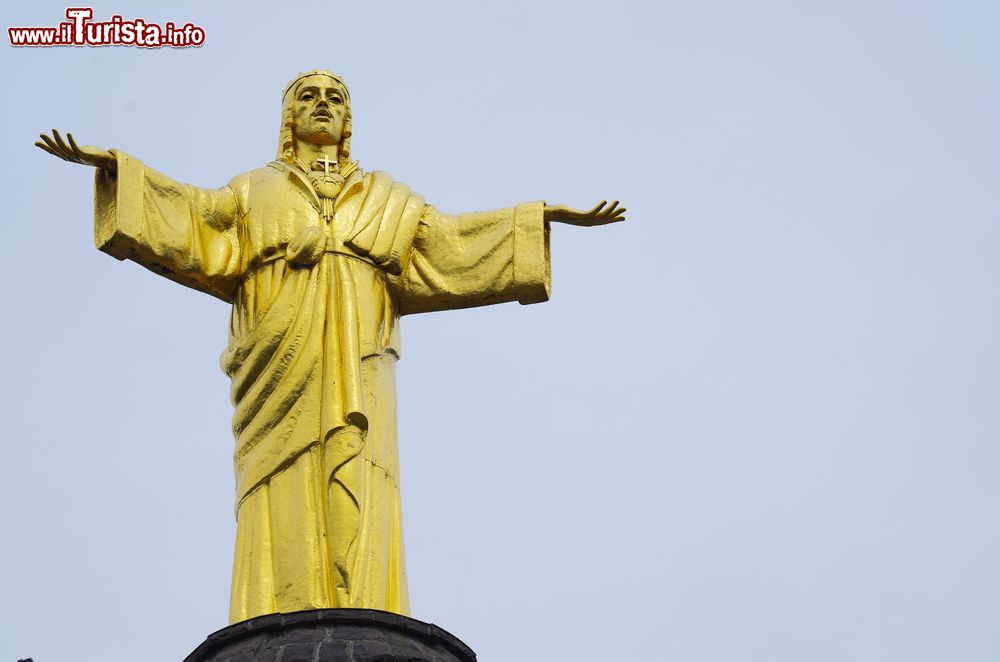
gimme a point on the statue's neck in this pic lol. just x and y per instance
(309, 152)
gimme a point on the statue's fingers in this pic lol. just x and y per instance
(613, 214)
(596, 210)
(63, 147)
(59, 141)
(45, 147)
(72, 143)
(56, 153)
(48, 141)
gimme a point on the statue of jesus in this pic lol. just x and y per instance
(319, 259)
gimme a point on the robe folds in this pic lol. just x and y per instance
(313, 342)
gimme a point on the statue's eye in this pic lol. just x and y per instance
(306, 97)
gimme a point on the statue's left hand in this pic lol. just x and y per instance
(602, 214)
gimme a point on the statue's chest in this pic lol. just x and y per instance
(279, 207)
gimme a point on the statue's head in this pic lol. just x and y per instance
(316, 108)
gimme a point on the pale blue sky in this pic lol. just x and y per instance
(757, 422)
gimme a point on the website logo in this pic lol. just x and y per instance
(81, 30)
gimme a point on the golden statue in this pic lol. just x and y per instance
(318, 259)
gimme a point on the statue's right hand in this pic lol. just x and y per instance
(87, 155)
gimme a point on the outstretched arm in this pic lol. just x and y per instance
(185, 233)
(602, 214)
(477, 259)
(87, 155)
(483, 258)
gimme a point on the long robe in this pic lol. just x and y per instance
(313, 342)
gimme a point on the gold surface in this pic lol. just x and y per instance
(319, 259)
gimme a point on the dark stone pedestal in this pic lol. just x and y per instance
(332, 635)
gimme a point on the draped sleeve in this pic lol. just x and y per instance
(185, 233)
(477, 259)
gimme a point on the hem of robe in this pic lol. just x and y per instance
(297, 548)
(274, 571)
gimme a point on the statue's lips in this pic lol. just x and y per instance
(322, 115)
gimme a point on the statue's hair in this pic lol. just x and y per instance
(286, 139)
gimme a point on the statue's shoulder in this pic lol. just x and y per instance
(244, 184)
(270, 172)
(274, 170)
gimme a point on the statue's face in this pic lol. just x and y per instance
(319, 108)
